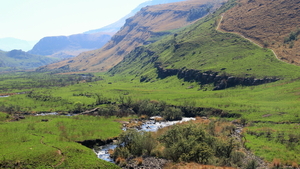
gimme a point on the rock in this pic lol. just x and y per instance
(148, 163)
(21, 117)
(220, 81)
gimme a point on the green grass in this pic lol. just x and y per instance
(3, 116)
(252, 102)
(198, 46)
(270, 147)
(35, 144)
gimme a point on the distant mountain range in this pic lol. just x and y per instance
(69, 46)
(62, 47)
(147, 26)
(59, 47)
(8, 44)
(20, 60)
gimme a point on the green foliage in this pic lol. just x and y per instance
(188, 143)
(192, 143)
(251, 165)
(136, 143)
(292, 36)
(172, 113)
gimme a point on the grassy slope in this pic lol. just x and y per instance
(201, 47)
(200, 44)
(32, 143)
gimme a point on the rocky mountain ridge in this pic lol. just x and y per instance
(63, 47)
(151, 21)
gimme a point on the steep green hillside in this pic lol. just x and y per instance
(203, 48)
(20, 60)
(204, 55)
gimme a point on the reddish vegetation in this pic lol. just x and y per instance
(7, 94)
(193, 165)
(267, 23)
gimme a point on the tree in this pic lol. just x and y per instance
(78, 107)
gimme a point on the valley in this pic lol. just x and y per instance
(243, 94)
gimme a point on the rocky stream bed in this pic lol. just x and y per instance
(153, 162)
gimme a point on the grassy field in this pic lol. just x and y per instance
(199, 46)
(31, 143)
(279, 142)
(278, 100)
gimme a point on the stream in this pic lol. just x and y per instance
(7, 95)
(150, 125)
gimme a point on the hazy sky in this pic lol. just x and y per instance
(35, 19)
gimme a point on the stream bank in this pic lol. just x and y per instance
(151, 125)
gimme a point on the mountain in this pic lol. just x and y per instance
(69, 46)
(272, 24)
(63, 47)
(147, 26)
(203, 54)
(20, 60)
(115, 27)
(8, 44)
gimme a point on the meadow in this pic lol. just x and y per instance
(270, 109)
(33, 143)
(269, 104)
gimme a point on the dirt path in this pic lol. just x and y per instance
(58, 151)
(223, 31)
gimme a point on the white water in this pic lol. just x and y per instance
(150, 125)
(46, 114)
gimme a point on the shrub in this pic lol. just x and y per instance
(291, 44)
(135, 142)
(172, 113)
(121, 153)
(251, 165)
(187, 143)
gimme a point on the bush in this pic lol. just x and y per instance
(146, 107)
(135, 142)
(172, 113)
(187, 143)
(251, 165)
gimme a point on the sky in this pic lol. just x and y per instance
(34, 19)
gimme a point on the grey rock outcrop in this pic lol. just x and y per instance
(220, 81)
